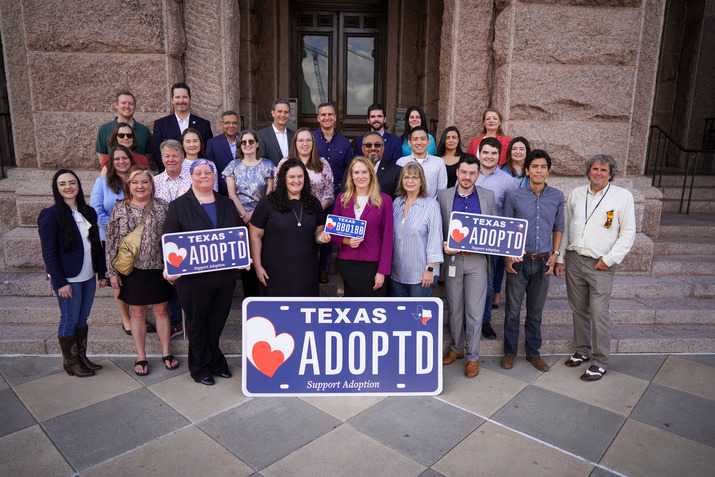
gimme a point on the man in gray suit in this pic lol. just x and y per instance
(275, 139)
(465, 272)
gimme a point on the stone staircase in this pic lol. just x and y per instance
(658, 306)
(703, 199)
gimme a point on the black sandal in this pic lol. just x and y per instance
(144, 364)
(168, 360)
(150, 328)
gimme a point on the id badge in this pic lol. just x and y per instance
(451, 271)
(581, 242)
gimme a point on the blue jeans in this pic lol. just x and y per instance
(493, 261)
(404, 290)
(75, 311)
(530, 279)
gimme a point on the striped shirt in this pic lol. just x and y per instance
(417, 239)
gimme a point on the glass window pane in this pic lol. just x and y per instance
(360, 74)
(314, 71)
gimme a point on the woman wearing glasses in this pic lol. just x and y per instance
(248, 179)
(123, 135)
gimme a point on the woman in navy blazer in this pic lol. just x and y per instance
(73, 257)
(364, 263)
(205, 297)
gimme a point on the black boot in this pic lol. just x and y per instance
(80, 335)
(70, 358)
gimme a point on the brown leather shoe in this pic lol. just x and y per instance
(451, 357)
(576, 360)
(324, 277)
(507, 362)
(538, 363)
(471, 369)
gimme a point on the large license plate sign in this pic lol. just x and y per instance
(205, 250)
(487, 234)
(345, 226)
(330, 346)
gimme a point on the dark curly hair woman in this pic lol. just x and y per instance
(286, 228)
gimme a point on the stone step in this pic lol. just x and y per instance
(683, 265)
(677, 181)
(684, 246)
(693, 225)
(696, 206)
(557, 339)
(699, 193)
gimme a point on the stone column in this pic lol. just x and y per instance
(66, 61)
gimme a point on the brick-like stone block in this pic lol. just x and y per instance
(22, 250)
(96, 27)
(589, 3)
(640, 257)
(67, 140)
(570, 93)
(57, 86)
(570, 144)
(29, 210)
(8, 212)
(567, 34)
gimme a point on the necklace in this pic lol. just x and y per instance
(299, 219)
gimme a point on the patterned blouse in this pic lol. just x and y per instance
(321, 182)
(251, 181)
(125, 218)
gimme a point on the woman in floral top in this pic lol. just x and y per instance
(248, 179)
(321, 175)
(145, 285)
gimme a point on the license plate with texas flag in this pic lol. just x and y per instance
(342, 346)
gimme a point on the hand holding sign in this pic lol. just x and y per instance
(345, 226)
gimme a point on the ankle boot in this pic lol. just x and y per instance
(80, 335)
(70, 358)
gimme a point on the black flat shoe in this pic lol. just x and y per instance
(207, 381)
(129, 332)
(226, 374)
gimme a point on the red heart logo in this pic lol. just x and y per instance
(330, 225)
(175, 259)
(457, 235)
(266, 360)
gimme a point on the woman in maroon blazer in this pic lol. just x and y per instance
(364, 263)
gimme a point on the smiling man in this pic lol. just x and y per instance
(173, 125)
(125, 106)
(275, 139)
(600, 230)
(221, 150)
(543, 207)
(392, 145)
(435, 170)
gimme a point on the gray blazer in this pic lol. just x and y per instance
(269, 143)
(446, 199)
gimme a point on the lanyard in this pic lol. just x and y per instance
(585, 212)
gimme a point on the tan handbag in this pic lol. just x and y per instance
(128, 250)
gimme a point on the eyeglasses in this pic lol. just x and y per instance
(410, 179)
(370, 145)
(123, 135)
(203, 173)
(248, 142)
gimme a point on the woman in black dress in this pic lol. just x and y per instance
(286, 227)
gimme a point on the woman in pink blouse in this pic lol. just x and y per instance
(321, 175)
(364, 263)
(492, 120)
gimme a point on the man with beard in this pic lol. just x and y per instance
(377, 120)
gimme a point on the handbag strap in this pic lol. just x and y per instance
(147, 209)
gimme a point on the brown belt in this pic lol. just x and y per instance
(466, 254)
(538, 256)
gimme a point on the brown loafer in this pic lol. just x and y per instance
(576, 360)
(538, 363)
(451, 357)
(324, 277)
(471, 369)
(507, 362)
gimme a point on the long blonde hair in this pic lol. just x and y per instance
(374, 193)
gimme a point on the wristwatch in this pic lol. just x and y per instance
(556, 252)
(430, 269)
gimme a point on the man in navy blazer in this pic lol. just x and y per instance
(275, 139)
(173, 125)
(392, 144)
(222, 149)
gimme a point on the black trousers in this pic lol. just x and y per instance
(206, 301)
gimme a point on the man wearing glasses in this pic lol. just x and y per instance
(600, 230)
(388, 174)
(125, 106)
(221, 150)
(465, 281)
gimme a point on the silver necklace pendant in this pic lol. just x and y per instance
(299, 224)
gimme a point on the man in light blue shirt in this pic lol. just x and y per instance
(501, 183)
(435, 170)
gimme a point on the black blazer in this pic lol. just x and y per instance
(60, 264)
(269, 143)
(388, 176)
(168, 128)
(186, 214)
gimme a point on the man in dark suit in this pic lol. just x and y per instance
(388, 174)
(173, 125)
(466, 273)
(221, 150)
(275, 139)
(377, 120)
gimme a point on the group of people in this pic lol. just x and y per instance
(282, 184)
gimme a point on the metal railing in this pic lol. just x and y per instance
(664, 151)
